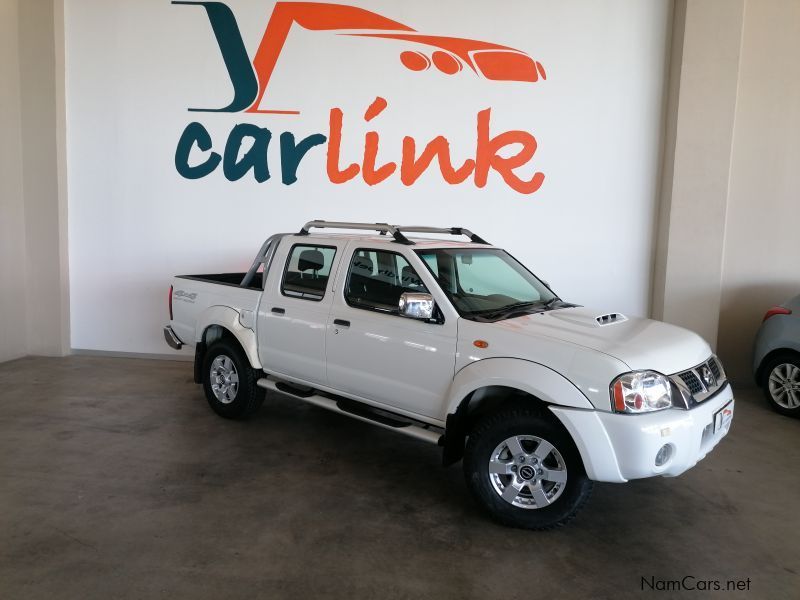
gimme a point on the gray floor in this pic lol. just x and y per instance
(116, 480)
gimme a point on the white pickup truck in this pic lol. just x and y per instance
(459, 344)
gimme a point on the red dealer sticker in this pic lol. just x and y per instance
(723, 417)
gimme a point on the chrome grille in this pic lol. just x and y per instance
(714, 366)
(701, 382)
(692, 381)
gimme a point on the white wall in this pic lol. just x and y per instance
(13, 337)
(133, 69)
(33, 260)
(700, 116)
(762, 245)
(45, 218)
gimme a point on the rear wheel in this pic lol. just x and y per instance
(229, 381)
(525, 470)
(782, 384)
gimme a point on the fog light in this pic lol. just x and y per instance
(664, 454)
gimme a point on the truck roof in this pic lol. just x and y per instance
(390, 235)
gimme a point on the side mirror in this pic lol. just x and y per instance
(416, 306)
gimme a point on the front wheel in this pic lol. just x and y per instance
(525, 470)
(230, 382)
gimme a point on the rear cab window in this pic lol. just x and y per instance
(307, 271)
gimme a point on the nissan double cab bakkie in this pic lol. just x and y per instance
(458, 344)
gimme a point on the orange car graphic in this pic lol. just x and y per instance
(448, 55)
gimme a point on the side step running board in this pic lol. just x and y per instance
(356, 410)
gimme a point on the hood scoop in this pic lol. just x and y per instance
(610, 319)
(587, 318)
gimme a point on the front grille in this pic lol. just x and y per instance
(692, 381)
(695, 385)
(714, 366)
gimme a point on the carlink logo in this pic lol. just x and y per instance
(449, 55)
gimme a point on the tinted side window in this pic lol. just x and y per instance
(307, 271)
(377, 278)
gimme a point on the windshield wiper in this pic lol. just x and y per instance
(550, 302)
(497, 312)
(491, 311)
(514, 310)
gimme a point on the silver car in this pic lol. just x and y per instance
(777, 357)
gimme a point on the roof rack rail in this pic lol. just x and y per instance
(396, 231)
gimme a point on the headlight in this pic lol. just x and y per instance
(641, 391)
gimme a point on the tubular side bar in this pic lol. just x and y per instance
(396, 231)
(431, 435)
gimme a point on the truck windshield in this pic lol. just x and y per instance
(487, 283)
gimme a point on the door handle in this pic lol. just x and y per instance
(341, 323)
(278, 311)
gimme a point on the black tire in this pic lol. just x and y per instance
(494, 430)
(247, 396)
(776, 365)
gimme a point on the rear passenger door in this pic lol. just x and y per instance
(375, 353)
(294, 308)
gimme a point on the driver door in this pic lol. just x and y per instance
(386, 359)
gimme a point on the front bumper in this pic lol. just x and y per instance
(618, 447)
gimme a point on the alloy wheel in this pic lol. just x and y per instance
(527, 471)
(224, 379)
(784, 385)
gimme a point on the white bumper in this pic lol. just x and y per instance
(618, 447)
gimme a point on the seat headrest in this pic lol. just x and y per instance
(363, 262)
(310, 260)
(408, 277)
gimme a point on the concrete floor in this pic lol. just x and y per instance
(116, 480)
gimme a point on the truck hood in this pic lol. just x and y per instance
(639, 343)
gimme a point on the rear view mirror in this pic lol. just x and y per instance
(416, 305)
